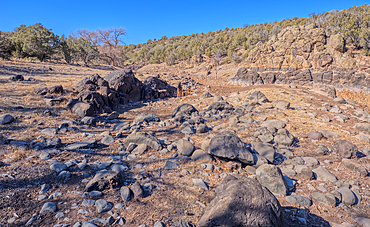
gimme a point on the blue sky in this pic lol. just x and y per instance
(145, 20)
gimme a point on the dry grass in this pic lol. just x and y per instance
(14, 154)
(361, 97)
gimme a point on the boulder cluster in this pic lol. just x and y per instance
(98, 95)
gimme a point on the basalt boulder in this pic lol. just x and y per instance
(242, 203)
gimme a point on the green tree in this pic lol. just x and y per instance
(35, 41)
(5, 45)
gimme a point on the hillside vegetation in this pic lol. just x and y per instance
(229, 45)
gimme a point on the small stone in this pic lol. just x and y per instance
(59, 215)
(11, 220)
(140, 149)
(44, 156)
(314, 135)
(171, 165)
(42, 197)
(322, 150)
(58, 167)
(6, 119)
(55, 194)
(107, 140)
(48, 207)
(119, 206)
(137, 190)
(64, 174)
(88, 202)
(348, 197)
(103, 206)
(185, 147)
(201, 155)
(327, 199)
(44, 188)
(95, 193)
(126, 194)
(159, 224)
(325, 175)
(299, 200)
(200, 183)
(119, 168)
(82, 211)
(32, 219)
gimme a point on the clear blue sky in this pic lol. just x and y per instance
(145, 20)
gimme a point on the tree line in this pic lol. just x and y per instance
(228, 45)
(37, 41)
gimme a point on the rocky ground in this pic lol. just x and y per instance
(287, 154)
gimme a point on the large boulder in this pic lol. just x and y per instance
(242, 203)
(266, 150)
(94, 99)
(184, 110)
(220, 106)
(345, 149)
(272, 178)
(58, 89)
(231, 147)
(92, 83)
(258, 96)
(79, 108)
(155, 88)
(126, 84)
(355, 167)
(249, 77)
(283, 137)
(103, 180)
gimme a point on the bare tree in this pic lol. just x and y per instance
(91, 36)
(110, 40)
(217, 59)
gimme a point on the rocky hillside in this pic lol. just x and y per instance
(262, 155)
(305, 47)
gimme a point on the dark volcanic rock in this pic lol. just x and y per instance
(242, 203)
(103, 179)
(250, 77)
(42, 91)
(126, 84)
(184, 110)
(6, 119)
(155, 88)
(16, 78)
(230, 146)
(56, 89)
(221, 106)
(79, 108)
(94, 99)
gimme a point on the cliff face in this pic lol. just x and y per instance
(305, 47)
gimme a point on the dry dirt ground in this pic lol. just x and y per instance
(173, 197)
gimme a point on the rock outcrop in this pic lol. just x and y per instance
(303, 55)
(119, 87)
